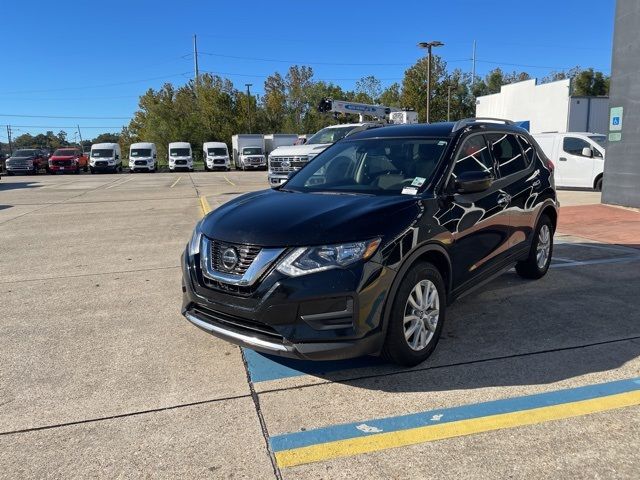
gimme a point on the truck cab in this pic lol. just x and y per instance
(287, 159)
(105, 157)
(143, 157)
(249, 151)
(180, 156)
(578, 157)
(216, 156)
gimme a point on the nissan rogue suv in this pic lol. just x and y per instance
(362, 250)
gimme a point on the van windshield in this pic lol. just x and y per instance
(599, 139)
(180, 152)
(101, 153)
(252, 151)
(141, 152)
(383, 166)
(218, 152)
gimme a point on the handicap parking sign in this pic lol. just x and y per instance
(615, 119)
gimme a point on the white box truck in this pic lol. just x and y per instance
(105, 157)
(578, 157)
(143, 156)
(216, 156)
(180, 156)
(275, 140)
(248, 151)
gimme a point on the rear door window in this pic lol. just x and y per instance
(507, 153)
(473, 156)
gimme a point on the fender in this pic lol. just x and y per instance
(407, 263)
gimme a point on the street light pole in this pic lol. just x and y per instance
(249, 85)
(429, 46)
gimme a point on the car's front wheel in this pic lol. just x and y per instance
(417, 316)
(539, 259)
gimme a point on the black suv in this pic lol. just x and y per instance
(361, 251)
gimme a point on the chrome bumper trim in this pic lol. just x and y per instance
(244, 339)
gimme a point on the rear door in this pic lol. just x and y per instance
(575, 169)
(479, 222)
(514, 156)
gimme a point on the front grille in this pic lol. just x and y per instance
(140, 162)
(255, 160)
(218, 161)
(237, 323)
(246, 255)
(243, 291)
(61, 163)
(287, 164)
(18, 164)
(181, 162)
(101, 164)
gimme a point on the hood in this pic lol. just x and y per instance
(29, 157)
(62, 157)
(272, 218)
(295, 150)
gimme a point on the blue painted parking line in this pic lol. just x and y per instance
(264, 367)
(374, 435)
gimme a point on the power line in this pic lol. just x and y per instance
(119, 127)
(545, 67)
(343, 64)
(101, 86)
(264, 76)
(65, 117)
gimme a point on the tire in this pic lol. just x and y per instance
(92, 170)
(598, 185)
(537, 264)
(77, 172)
(423, 340)
(85, 169)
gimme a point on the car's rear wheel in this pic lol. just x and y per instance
(417, 316)
(537, 263)
(598, 186)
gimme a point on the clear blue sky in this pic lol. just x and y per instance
(93, 59)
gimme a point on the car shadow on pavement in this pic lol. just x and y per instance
(6, 186)
(514, 332)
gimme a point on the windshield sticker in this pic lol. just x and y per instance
(441, 143)
(409, 191)
(418, 181)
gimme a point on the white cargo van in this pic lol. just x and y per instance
(578, 157)
(105, 157)
(143, 157)
(180, 156)
(216, 156)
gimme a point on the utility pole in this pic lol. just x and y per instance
(80, 135)
(473, 65)
(195, 60)
(429, 46)
(249, 85)
(449, 103)
(9, 137)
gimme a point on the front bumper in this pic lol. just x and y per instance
(277, 179)
(330, 315)
(66, 168)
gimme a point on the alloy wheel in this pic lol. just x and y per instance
(544, 246)
(421, 315)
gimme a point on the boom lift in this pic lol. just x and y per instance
(378, 112)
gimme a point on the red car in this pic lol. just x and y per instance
(68, 159)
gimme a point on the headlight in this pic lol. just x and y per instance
(305, 260)
(196, 237)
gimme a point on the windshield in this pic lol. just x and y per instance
(180, 152)
(218, 152)
(24, 153)
(101, 153)
(599, 139)
(141, 152)
(252, 151)
(65, 153)
(329, 135)
(386, 166)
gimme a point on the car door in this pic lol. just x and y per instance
(575, 169)
(478, 222)
(514, 158)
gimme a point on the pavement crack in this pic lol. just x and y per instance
(122, 415)
(263, 424)
(80, 275)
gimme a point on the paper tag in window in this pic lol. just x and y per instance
(409, 191)
(418, 181)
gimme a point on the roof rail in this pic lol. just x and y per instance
(465, 122)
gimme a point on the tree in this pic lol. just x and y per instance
(391, 96)
(414, 89)
(590, 83)
(370, 89)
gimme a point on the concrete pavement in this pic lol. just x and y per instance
(102, 377)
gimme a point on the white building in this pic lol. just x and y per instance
(548, 107)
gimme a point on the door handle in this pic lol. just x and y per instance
(536, 183)
(504, 199)
(563, 159)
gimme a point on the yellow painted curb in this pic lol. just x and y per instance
(204, 205)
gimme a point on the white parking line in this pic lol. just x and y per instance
(176, 182)
(118, 184)
(600, 261)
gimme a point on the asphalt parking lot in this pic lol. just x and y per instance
(100, 376)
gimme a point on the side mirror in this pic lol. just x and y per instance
(587, 152)
(473, 182)
(155, 156)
